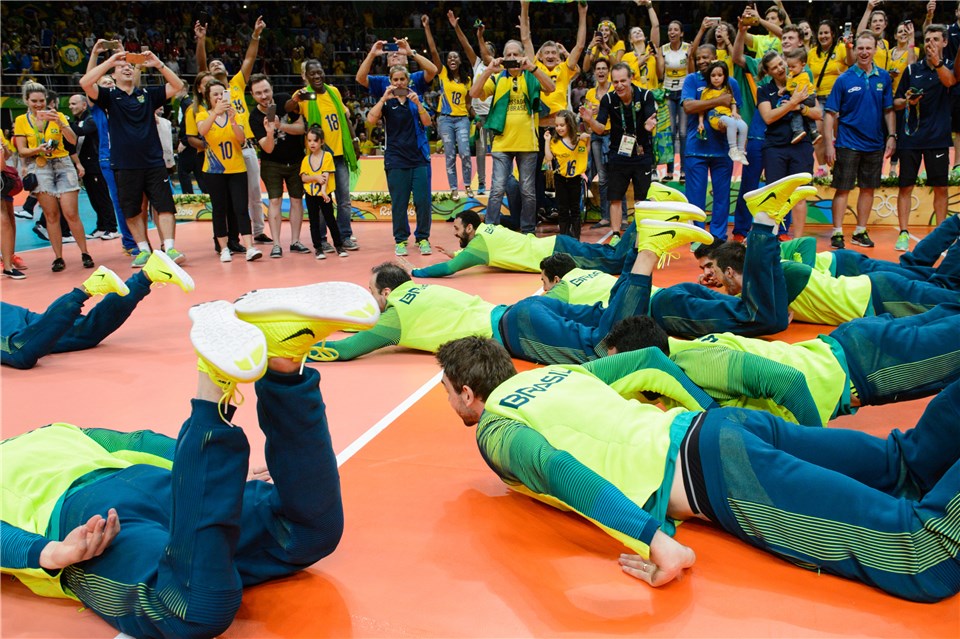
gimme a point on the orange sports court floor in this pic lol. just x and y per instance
(435, 545)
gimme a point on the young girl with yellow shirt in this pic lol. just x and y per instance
(570, 152)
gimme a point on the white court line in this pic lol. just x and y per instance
(387, 419)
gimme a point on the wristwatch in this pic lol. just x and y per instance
(892, 135)
(937, 66)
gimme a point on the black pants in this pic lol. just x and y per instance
(188, 167)
(228, 199)
(316, 208)
(568, 192)
(99, 195)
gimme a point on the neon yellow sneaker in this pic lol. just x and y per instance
(669, 212)
(103, 281)
(229, 350)
(160, 268)
(662, 237)
(660, 192)
(772, 197)
(799, 195)
(294, 319)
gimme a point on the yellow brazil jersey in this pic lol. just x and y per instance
(798, 82)
(37, 132)
(898, 64)
(619, 47)
(453, 97)
(836, 64)
(311, 166)
(591, 100)
(329, 120)
(723, 56)
(571, 160)
(561, 75)
(710, 94)
(7, 144)
(882, 57)
(223, 154)
(520, 128)
(643, 77)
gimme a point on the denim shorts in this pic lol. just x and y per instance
(57, 177)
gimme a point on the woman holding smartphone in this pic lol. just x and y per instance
(406, 158)
(226, 173)
(39, 135)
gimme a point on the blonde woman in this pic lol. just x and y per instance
(39, 135)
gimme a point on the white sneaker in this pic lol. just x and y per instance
(734, 154)
(743, 158)
(110, 235)
(254, 254)
(225, 255)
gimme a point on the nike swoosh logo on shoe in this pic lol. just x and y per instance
(771, 195)
(670, 233)
(169, 276)
(302, 331)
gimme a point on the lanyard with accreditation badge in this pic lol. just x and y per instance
(40, 137)
(628, 142)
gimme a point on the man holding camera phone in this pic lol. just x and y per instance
(516, 85)
(924, 133)
(136, 155)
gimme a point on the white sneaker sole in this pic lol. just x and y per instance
(175, 270)
(237, 349)
(669, 212)
(338, 304)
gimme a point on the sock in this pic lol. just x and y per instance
(144, 246)
(167, 245)
(838, 230)
(763, 218)
(859, 229)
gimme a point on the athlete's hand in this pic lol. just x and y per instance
(84, 542)
(405, 264)
(260, 473)
(443, 251)
(668, 559)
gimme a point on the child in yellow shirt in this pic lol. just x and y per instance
(570, 151)
(317, 174)
(718, 78)
(797, 80)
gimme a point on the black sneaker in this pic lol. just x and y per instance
(862, 239)
(276, 252)
(350, 244)
(327, 247)
(297, 247)
(836, 241)
(58, 265)
(41, 232)
(14, 274)
(236, 248)
(262, 238)
(87, 260)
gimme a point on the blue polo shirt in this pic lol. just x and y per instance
(406, 139)
(859, 99)
(134, 141)
(927, 125)
(716, 143)
(377, 84)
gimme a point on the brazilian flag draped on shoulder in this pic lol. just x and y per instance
(349, 153)
(527, 85)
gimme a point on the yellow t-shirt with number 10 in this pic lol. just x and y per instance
(223, 153)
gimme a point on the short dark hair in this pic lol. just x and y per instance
(557, 265)
(622, 66)
(260, 77)
(939, 28)
(706, 250)
(780, 12)
(730, 255)
(469, 218)
(389, 275)
(636, 332)
(478, 362)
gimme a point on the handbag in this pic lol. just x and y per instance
(30, 182)
(12, 184)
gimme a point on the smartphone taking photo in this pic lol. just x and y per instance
(401, 91)
(391, 46)
(272, 111)
(111, 45)
(510, 64)
(136, 58)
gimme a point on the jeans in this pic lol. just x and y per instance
(481, 150)
(720, 170)
(254, 195)
(455, 132)
(678, 120)
(401, 183)
(597, 165)
(502, 167)
(344, 204)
